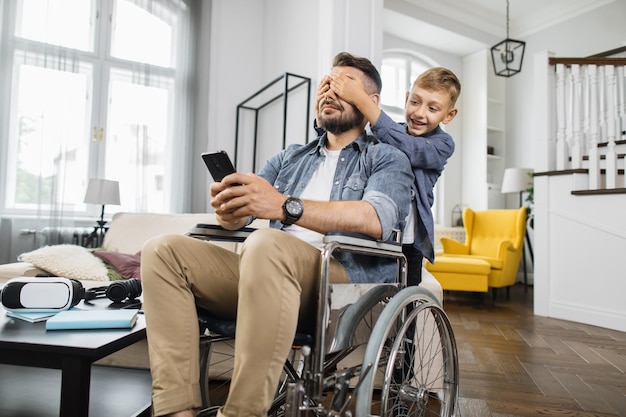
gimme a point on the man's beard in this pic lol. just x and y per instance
(343, 123)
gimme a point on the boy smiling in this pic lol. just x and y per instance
(430, 103)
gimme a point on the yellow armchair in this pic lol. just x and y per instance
(494, 236)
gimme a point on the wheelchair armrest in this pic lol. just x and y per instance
(217, 232)
(363, 241)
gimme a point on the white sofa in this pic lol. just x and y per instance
(127, 234)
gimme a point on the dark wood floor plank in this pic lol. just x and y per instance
(487, 361)
(615, 358)
(533, 338)
(557, 344)
(545, 380)
(470, 407)
(611, 396)
(540, 410)
(515, 364)
(513, 370)
(588, 353)
(584, 351)
(583, 393)
(616, 379)
(525, 399)
(509, 332)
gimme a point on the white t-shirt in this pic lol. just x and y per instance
(408, 236)
(318, 189)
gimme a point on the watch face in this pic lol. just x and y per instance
(293, 206)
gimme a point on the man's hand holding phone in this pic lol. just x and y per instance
(256, 198)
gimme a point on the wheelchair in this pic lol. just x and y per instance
(377, 349)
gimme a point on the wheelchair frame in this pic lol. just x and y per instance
(394, 336)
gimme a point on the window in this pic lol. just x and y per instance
(86, 94)
(398, 72)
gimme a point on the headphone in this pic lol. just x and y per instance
(117, 291)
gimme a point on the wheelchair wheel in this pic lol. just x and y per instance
(216, 363)
(414, 361)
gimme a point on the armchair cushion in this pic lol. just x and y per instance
(493, 262)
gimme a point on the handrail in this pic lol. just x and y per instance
(587, 61)
(610, 52)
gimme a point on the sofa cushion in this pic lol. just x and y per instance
(129, 231)
(125, 264)
(18, 269)
(69, 261)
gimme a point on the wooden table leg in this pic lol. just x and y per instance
(75, 382)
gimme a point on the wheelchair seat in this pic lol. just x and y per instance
(226, 328)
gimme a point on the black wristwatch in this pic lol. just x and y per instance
(293, 209)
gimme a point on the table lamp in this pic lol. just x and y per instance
(516, 180)
(103, 192)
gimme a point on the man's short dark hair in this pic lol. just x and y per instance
(344, 59)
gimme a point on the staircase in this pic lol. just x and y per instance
(580, 190)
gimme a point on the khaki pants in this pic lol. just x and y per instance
(267, 287)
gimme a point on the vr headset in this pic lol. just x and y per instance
(50, 294)
(41, 294)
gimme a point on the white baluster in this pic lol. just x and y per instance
(602, 138)
(594, 155)
(575, 122)
(621, 103)
(561, 146)
(569, 112)
(611, 111)
(586, 142)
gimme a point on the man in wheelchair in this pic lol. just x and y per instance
(343, 181)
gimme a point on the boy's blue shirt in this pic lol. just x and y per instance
(428, 155)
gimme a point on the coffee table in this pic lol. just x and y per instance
(72, 351)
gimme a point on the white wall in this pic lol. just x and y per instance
(579, 274)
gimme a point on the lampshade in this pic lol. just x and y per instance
(102, 192)
(507, 56)
(516, 180)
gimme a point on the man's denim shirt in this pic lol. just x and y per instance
(367, 170)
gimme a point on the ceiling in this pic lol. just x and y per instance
(461, 27)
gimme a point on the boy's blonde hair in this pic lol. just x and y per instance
(438, 79)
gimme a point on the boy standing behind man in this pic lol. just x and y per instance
(430, 102)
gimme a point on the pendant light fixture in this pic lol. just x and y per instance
(507, 56)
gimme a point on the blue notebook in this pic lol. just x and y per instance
(92, 319)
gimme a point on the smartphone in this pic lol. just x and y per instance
(219, 164)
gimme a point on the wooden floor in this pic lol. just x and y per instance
(513, 363)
